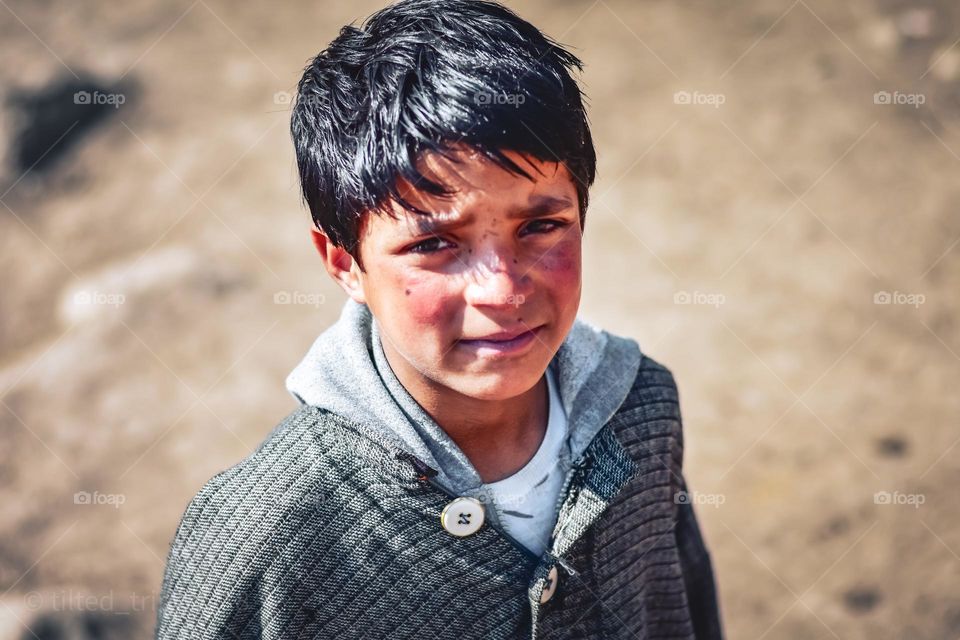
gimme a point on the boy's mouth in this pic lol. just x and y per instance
(503, 343)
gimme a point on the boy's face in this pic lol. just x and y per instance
(501, 255)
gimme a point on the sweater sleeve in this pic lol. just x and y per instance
(203, 595)
(698, 575)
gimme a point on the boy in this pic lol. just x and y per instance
(468, 460)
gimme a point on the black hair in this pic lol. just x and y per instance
(422, 75)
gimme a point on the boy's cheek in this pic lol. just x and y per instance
(561, 265)
(422, 301)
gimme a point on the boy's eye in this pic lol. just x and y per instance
(434, 244)
(426, 246)
(545, 226)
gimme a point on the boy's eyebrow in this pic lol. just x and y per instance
(541, 206)
(536, 206)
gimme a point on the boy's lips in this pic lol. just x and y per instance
(507, 343)
(502, 335)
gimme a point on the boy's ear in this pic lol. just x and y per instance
(339, 264)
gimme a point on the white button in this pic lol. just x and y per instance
(463, 516)
(551, 585)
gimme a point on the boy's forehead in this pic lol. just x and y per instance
(476, 179)
(468, 164)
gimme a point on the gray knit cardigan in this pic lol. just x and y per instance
(323, 532)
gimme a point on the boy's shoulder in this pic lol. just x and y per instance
(305, 456)
(649, 419)
(654, 388)
(656, 379)
(245, 525)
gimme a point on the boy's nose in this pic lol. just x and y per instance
(508, 284)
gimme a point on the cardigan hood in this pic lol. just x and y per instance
(346, 372)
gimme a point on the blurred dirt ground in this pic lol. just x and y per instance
(775, 219)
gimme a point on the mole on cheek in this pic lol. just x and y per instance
(423, 301)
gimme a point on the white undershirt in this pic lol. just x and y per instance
(527, 500)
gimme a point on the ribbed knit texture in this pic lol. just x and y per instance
(323, 532)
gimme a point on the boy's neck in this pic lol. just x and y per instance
(499, 437)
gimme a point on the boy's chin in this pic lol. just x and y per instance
(496, 386)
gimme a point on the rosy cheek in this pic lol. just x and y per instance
(561, 264)
(422, 298)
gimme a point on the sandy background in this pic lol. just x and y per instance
(744, 231)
